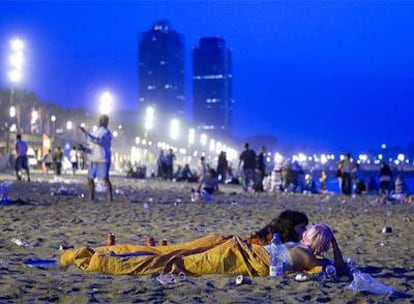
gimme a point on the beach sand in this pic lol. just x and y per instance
(164, 210)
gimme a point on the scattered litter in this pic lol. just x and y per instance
(365, 282)
(20, 242)
(387, 229)
(41, 263)
(240, 280)
(166, 279)
(301, 277)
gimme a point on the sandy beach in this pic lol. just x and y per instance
(43, 221)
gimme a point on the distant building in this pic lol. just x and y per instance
(161, 70)
(212, 86)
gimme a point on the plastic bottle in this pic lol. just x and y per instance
(276, 257)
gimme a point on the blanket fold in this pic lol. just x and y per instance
(209, 255)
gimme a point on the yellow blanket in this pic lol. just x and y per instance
(209, 255)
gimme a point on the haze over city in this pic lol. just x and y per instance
(333, 75)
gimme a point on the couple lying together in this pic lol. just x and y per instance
(305, 247)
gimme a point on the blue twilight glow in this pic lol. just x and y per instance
(330, 74)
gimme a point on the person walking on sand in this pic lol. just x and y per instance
(57, 160)
(73, 157)
(248, 159)
(100, 156)
(261, 169)
(22, 161)
(347, 168)
(48, 161)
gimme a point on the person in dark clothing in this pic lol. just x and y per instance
(222, 167)
(261, 169)
(57, 161)
(385, 176)
(248, 159)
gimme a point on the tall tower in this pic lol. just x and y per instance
(212, 86)
(161, 70)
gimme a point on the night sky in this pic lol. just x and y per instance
(335, 75)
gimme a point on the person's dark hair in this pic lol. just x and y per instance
(284, 225)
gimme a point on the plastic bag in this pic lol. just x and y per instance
(365, 282)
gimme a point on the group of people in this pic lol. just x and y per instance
(253, 168)
(382, 184)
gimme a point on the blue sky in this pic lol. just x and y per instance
(325, 74)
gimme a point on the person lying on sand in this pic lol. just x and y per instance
(308, 253)
(209, 255)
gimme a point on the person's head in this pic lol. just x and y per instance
(290, 226)
(318, 237)
(18, 136)
(104, 120)
(246, 145)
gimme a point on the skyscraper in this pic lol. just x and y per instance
(212, 86)
(161, 70)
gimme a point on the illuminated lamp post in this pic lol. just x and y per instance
(15, 74)
(174, 129)
(148, 120)
(106, 103)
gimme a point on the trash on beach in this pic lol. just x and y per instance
(166, 279)
(63, 191)
(365, 282)
(243, 280)
(301, 277)
(65, 247)
(386, 229)
(119, 191)
(41, 263)
(100, 186)
(146, 205)
(4, 193)
(20, 242)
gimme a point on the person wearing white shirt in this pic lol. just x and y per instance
(100, 155)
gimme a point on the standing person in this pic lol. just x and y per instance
(100, 156)
(162, 165)
(170, 163)
(57, 160)
(48, 161)
(248, 159)
(73, 157)
(22, 161)
(222, 166)
(261, 169)
(347, 169)
(385, 177)
(203, 167)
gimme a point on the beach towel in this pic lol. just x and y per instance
(208, 255)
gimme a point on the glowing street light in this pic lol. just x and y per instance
(191, 136)
(106, 103)
(174, 128)
(149, 119)
(16, 60)
(69, 125)
(203, 139)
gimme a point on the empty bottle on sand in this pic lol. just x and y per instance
(276, 257)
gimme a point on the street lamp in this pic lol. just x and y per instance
(106, 103)
(174, 128)
(16, 61)
(191, 136)
(148, 120)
